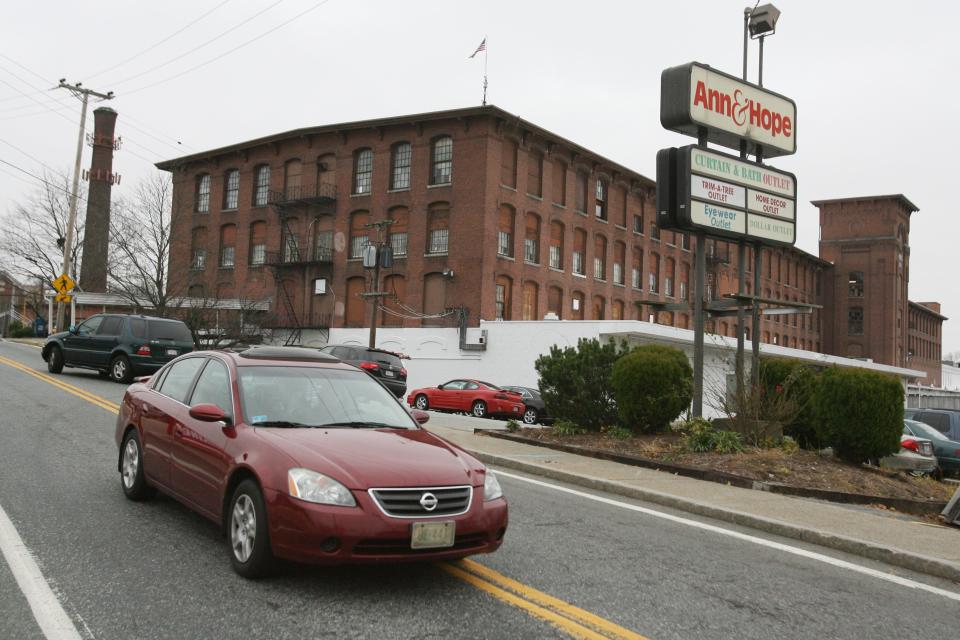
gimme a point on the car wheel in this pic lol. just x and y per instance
(479, 409)
(421, 402)
(55, 360)
(249, 540)
(120, 369)
(132, 482)
(529, 415)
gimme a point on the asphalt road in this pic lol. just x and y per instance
(156, 570)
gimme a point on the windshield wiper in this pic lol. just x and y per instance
(359, 424)
(283, 424)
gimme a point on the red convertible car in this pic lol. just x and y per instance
(481, 399)
(297, 455)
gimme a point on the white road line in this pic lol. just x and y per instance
(812, 555)
(49, 614)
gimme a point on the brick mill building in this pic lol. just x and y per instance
(497, 218)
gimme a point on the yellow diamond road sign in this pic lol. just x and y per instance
(63, 284)
(63, 297)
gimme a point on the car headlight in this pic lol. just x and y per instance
(316, 487)
(491, 487)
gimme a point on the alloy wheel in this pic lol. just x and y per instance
(421, 402)
(479, 409)
(130, 464)
(243, 528)
(530, 416)
(119, 369)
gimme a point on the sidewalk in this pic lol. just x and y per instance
(908, 543)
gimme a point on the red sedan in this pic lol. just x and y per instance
(482, 399)
(297, 455)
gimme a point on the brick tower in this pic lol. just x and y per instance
(96, 238)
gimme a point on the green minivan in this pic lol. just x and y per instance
(118, 346)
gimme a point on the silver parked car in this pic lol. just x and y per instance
(915, 456)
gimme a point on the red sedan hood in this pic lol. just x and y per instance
(366, 458)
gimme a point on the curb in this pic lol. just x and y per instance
(904, 505)
(889, 555)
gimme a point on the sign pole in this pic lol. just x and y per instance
(700, 280)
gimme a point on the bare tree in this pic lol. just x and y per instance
(32, 235)
(140, 245)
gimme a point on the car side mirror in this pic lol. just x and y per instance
(206, 412)
(73, 329)
(422, 417)
(440, 387)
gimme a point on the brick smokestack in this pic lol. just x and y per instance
(96, 234)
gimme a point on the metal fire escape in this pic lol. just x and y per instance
(297, 252)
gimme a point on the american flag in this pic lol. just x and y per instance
(482, 47)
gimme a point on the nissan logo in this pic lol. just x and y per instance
(428, 501)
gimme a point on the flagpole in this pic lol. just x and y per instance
(486, 48)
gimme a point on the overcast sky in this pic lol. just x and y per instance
(871, 79)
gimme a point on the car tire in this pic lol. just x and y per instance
(530, 415)
(479, 409)
(421, 402)
(55, 360)
(132, 481)
(247, 531)
(120, 369)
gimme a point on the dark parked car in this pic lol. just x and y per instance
(534, 408)
(296, 455)
(946, 450)
(385, 366)
(118, 346)
(946, 421)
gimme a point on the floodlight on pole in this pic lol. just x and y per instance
(763, 21)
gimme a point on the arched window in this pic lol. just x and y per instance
(291, 240)
(327, 175)
(531, 300)
(508, 164)
(599, 308)
(441, 160)
(395, 285)
(323, 239)
(579, 252)
(599, 257)
(201, 196)
(359, 233)
(581, 202)
(354, 314)
(668, 278)
(619, 262)
(535, 174)
(231, 189)
(636, 271)
(654, 275)
(685, 280)
(505, 227)
(362, 171)
(257, 254)
(856, 284)
(622, 208)
(400, 158)
(398, 230)
(576, 305)
(198, 249)
(602, 195)
(559, 183)
(531, 240)
(434, 296)
(292, 174)
(556, 244)
(261, 185)
(616, 310)
(503, 297)
(555, 301)
(438, 228)
(228, 244)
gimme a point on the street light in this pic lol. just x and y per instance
(762, 23)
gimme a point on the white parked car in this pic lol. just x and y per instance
(915, 456)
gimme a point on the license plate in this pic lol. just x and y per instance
(389, 373)
(171, 352)
(433, 535)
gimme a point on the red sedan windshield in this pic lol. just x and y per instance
(312, 396)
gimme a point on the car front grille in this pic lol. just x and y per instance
(407, 503)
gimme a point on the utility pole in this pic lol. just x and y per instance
(84, 95)
(379, 257)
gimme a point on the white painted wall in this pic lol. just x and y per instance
(950, 377)
(513, 347)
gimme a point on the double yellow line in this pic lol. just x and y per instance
(563, 615)
(69, 388)
(572, 620)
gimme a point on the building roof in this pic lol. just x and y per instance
(487, 110)
(922, 306)
(899, 197)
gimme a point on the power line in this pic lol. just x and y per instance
(29, 155)
(159, 42)
(44, 181)
(198, 47)
(226, 53)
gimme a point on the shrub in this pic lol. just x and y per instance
(620, 433)
(652, 385)
(22, 332)
(859, 413)
(513, 426)
(567, 428)
(699, 436)
(798, 383)
(575, 382)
